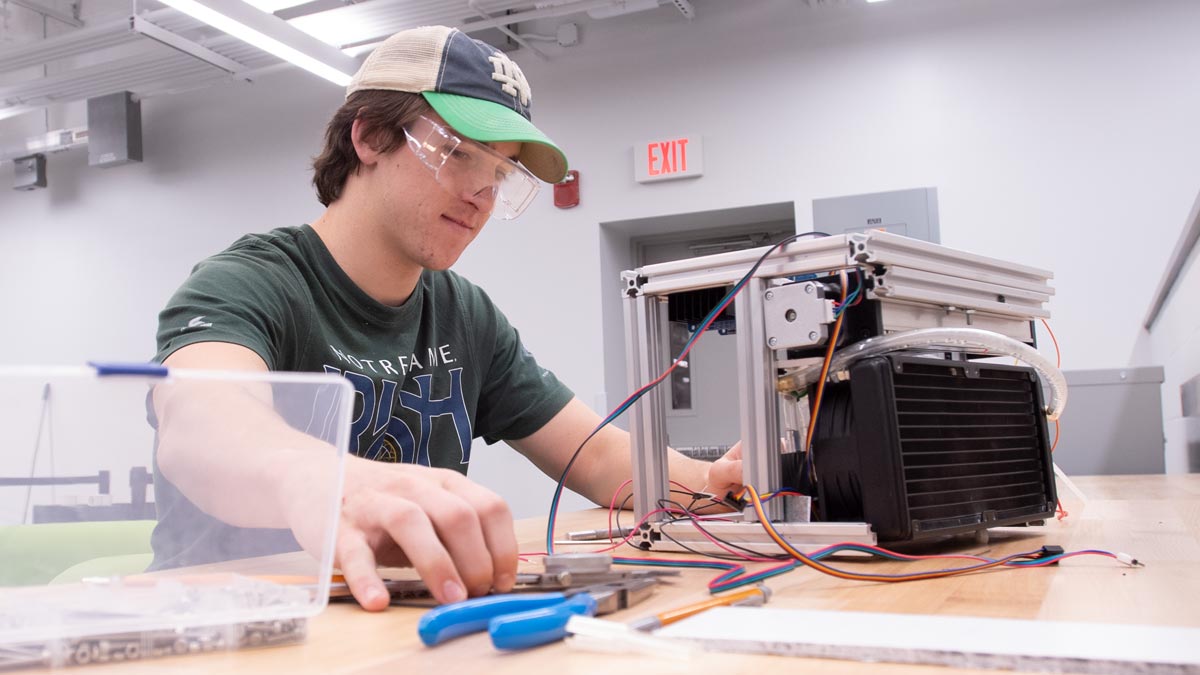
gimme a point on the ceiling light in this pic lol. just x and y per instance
(272, 6)
(271, 34)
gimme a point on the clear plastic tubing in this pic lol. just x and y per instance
(970, 340)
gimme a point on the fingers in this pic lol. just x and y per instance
(357, 563)
(725, 474)
(407, 524)
(458, 535)
(496, 526)
(454, 508)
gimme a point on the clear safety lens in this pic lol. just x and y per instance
(466, 168)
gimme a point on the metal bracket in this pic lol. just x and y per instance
(175, 41)
(50, 12)
(631, 284)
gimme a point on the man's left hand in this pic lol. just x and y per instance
(725, 474)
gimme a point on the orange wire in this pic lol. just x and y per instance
(837, 329)
(762, 516)
(1062, 513)
(1057, 352)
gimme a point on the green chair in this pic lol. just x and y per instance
(32, 555)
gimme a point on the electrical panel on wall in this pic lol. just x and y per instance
(910, 213)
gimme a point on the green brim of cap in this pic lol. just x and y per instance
(489, 122)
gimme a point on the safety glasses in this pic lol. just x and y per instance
(464, 167)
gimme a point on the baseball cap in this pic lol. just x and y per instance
(475, 87)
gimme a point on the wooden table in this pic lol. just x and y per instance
(1154, 518)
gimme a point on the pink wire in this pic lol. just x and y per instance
(612, 506)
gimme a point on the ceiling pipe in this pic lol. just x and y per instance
(504, 29)
(532, 15)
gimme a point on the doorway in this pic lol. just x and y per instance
(703, 408)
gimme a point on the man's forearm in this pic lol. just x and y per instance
(606, 460)
(228, 451)
(610, 464)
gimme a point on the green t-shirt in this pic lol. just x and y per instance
(430, 375)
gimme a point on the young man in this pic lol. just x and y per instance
(435, 137)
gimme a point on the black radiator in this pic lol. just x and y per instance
(921, 447)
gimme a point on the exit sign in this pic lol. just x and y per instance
(678, 157)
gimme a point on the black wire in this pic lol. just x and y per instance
(696, 524)
(716, 556)
(689, 516)
(617, 515)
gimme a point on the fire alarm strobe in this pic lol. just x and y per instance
(566, 193)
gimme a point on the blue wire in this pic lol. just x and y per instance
(753, 578)
(850, 298)
(777, 493)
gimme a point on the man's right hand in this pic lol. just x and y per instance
(458, 535)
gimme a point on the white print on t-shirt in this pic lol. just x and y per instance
(434, 356)
(196, 322)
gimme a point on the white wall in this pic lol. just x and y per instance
(86, 264)
(1173, 342)
(1059, 133)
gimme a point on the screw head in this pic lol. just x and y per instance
(770, 295)
(813, 336)
(808, 288)
(772, 342)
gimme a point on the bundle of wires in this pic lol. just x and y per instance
(1026, 559)
(734, 573)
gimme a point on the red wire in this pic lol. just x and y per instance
(612, 506)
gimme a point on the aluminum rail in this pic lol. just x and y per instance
(904, 270)
(1183, 250)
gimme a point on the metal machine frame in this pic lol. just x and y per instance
(917, 284)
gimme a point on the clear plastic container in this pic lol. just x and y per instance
(104, 559)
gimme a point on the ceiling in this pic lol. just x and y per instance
(60, 51)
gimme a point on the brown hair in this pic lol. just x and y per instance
(384, 115)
